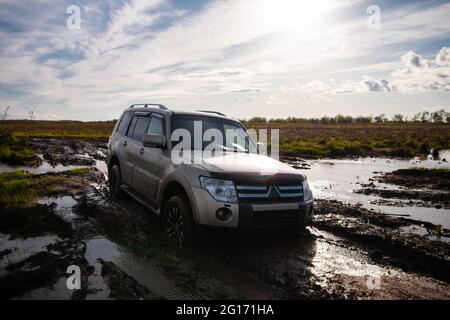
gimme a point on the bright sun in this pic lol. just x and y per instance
(293, 13)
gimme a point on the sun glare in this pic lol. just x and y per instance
(293, 13)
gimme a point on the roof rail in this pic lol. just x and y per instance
(146, 105)
(214, 112)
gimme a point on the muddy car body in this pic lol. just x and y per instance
(236, 190)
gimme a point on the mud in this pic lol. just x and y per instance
(296, 162)
(70, 151)
(348, 253)
(124, 287)
(416, 187)
(428, 198)
(35, 221)
(384, 237)
(41, 269)
(418, 178)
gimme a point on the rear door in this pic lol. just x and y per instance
(149, 168)
(119, 142)
(138, 128)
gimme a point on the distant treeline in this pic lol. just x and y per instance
(440, 116)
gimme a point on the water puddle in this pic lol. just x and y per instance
(141, 270)
(102, 167)
(337, 179)
(43, 168)
(20, 249)
(62, 206)
(58, 291)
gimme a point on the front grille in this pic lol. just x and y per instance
(269, 193)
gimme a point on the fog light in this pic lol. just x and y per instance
(224, 214)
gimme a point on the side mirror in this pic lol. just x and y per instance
(154, 141)
(261, 148)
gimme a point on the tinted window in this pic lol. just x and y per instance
(124, 122)
(156, 126)
(140, 128)
(242, 141)
(132, 125)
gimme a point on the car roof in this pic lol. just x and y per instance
(211, 114)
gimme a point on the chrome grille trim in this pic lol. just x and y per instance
(251, 188)
(282, 188)
(261, 192)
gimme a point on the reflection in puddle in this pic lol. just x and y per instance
(63, 206)
(43, 168)
(58, 291)
(21, 249)
(141, 270)
(338, 181)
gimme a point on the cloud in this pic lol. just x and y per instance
(324, 89)
(413, 60)
(443, 57)
(135, 50)
(418, 75)
(377, 85)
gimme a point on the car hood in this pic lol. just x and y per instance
(245, 165)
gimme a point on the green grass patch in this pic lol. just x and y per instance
(17, 189)
(14, 151)
(79, 170)
(20, 189)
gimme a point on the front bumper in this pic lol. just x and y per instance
(249, 215)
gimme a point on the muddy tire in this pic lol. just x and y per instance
(301, 226)
(114, 183)
(178, 223)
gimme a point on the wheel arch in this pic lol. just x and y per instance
(114, 160)
(175, 185)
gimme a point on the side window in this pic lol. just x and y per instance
(124, 122)
(156, 126)
(132, 126)
(140, 128)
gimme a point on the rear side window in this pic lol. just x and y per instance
(141, 128)
(124, 122)
(156, 126)
(131, 128)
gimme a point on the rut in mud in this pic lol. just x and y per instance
(348, 253)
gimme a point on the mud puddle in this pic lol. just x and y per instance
(338, 179)
(143, 271)
(15, 250)
(109, 270)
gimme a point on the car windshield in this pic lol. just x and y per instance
(220, 134)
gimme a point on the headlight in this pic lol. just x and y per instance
(221, 190)
(307, 193)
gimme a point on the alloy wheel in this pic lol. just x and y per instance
(174, 221)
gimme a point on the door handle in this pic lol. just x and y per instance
(141, 150)
(125, 143)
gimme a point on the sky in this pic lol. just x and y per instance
(88, 60)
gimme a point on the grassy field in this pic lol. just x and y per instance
(298, 137)
(390, 139)
(14, 136)
(54, 129)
